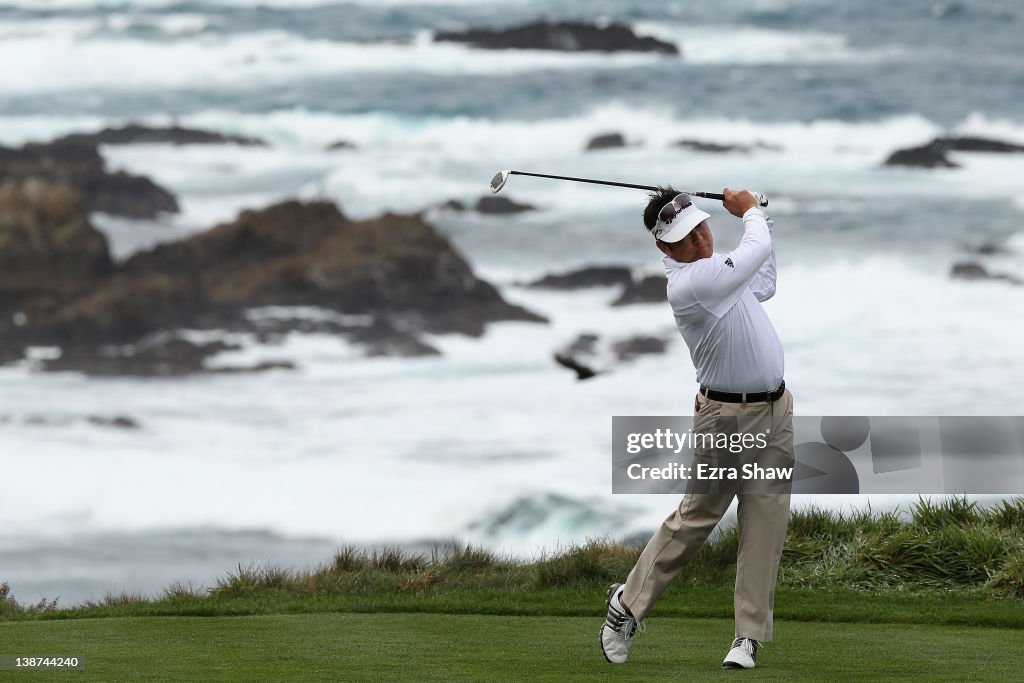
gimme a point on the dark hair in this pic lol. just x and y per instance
(655, 202)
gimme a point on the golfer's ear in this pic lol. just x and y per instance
(665, 248)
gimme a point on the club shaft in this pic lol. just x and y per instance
(707, 195)
(586, 180)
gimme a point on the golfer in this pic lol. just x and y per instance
(716, 300)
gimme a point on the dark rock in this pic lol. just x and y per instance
(157, 357)
(987, 249)
(48, 249)
(134, 134)
(975, 271)
(452, 205)
(969, 271)
(583, 344)
(721, 148)
(606, 141)
(582, 356)
(115, 422)
(588, 357)
(341, 144)
(383, 338)
(289, 254)
(591, 276)
(582, 371)
(122, 194)
(571, 36)
(263, 366)
(925, 156)
(651, 289)
(634, 347)
(976, 144)
(81, 167)
(500, 206)
(933, 154)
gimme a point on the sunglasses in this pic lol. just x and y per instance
(675, 207)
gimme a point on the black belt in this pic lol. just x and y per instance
(756, 397)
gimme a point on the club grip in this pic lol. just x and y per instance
(761, 199)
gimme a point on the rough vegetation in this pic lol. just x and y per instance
(943, 548)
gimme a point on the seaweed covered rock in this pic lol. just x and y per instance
(567, 36)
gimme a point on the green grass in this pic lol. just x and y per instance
(949, 551)
(355, 647)
(865, 596)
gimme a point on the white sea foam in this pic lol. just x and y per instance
(392, 449)
(67, 57)
(64, 53)
(723, 44)
(817, 164)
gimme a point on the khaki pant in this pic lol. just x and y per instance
(762, 519)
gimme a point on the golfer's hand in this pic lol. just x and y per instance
(737, 202)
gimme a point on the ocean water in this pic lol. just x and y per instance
(492, 443)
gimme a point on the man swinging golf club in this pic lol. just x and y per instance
(716, 300)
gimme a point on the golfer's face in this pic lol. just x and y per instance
(696, 245)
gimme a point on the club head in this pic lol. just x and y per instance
(498, 181)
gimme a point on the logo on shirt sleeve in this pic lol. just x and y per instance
(728, 262)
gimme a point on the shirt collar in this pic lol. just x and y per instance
(671, 263)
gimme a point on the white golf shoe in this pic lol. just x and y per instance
(742, 654)
(618, 629)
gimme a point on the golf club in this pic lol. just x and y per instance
(501, 177)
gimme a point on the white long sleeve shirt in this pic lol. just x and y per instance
(716, 303)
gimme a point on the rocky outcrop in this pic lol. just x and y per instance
(495, 206)
(49, 251)
(976, 144)
(589, 357)
(641, 345)
(724, 148)
(395, 274)
(135, 134)
(500, 206)
(606, 141)
(81, 167)
(569, 362)
(568, 36)
(341, 144)
(987, 249)
(452, 205)
(925, 156)
(160, 356)
(591, 276)
(581, 356)
(123, 422)
(649, 290)
(933, 154)
(976, 271)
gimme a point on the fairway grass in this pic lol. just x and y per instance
(439, 647)
(936, 595)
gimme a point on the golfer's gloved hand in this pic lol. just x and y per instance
(737, 202)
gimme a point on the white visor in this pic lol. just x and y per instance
(680, 226)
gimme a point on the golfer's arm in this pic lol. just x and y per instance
(722, 285)
(763, 284)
